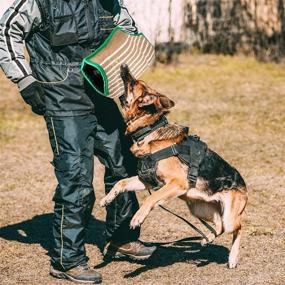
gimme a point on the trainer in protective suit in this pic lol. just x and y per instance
(58, 34)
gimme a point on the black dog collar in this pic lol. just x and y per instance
(141, 133)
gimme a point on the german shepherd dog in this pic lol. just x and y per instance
(219, 195)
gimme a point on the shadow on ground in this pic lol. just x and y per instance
(38, 230)
(186, 250)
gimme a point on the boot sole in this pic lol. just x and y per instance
(119, 255)
(61, 275)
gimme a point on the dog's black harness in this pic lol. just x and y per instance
(190, 151)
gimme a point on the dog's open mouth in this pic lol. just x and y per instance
(127, 77)
(128, 80)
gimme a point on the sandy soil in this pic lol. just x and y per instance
(236, 105)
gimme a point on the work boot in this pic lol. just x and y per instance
(135, 250)
(79, 274)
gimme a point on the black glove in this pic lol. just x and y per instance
(33, 95)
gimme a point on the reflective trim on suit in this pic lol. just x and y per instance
(75, 141)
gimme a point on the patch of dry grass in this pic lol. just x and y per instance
(235, 104)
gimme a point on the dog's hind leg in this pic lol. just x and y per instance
(218, 227)
(233, 210)
(124, 185)
(209, 212)
(233, 257)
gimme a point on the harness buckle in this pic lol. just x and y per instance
(192, 178)
(193, 173)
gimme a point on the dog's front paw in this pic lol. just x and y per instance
(134, 224)
(109, 198)
(137, 220)
(106, 201)
(103, 202)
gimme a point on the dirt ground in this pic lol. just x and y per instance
(236, 105)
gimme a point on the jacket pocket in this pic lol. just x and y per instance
(52, 82)
(51, 75)
(64, 31)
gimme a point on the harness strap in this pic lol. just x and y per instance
(197, 154)
(173, 150)
(141, 133)
(191, 152)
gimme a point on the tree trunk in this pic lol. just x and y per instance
(251, 27)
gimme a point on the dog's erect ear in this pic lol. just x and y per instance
(165, 102)
(158, 100)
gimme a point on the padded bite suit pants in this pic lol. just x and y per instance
(75, 141)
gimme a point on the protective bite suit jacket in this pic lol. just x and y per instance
(58, 35)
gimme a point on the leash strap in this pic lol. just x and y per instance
(211, 229)
(185, 221)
